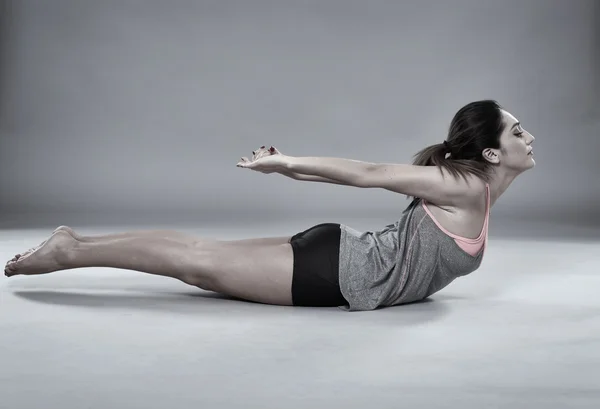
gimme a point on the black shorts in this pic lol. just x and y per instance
(315, 282)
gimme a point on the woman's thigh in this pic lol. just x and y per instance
(259, 241)
(259, 272)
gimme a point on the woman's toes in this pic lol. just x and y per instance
(12, 267)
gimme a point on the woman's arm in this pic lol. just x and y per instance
(435, 185)
(302, 168)
(330, 170)
(311, 178)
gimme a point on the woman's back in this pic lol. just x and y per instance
(408, 260)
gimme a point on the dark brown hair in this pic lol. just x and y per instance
(475, 127)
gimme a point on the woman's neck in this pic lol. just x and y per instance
(500, 181)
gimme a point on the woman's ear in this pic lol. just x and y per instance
(491, 155)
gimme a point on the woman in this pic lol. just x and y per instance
(442, 233)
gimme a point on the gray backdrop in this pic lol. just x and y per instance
(140, 110)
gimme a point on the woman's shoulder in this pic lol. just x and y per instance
(464, 218)
(474, 191)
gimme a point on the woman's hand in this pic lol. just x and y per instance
(265, 160)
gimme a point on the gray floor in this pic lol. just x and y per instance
(523, 332)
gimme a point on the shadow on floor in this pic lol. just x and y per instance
(202, 302)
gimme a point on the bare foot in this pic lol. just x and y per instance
(59, 228)
(47, 257)
(68, 230)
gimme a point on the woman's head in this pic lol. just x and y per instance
(482, 138)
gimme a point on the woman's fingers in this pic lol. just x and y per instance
(259, 153)
(243, 161)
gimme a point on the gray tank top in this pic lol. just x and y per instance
(404, 262)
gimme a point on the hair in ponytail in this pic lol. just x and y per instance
(475, 127)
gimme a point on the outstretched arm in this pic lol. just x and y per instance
(311, 169)
(312, 178)
(428, 182)
(330, 170)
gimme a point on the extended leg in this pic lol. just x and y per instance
(153, 255)
(170, 234)
(252, 272)
(161, 233)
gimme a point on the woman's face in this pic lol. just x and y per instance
(515, 151)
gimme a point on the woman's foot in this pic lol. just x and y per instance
(49, 256)
(59, 228)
